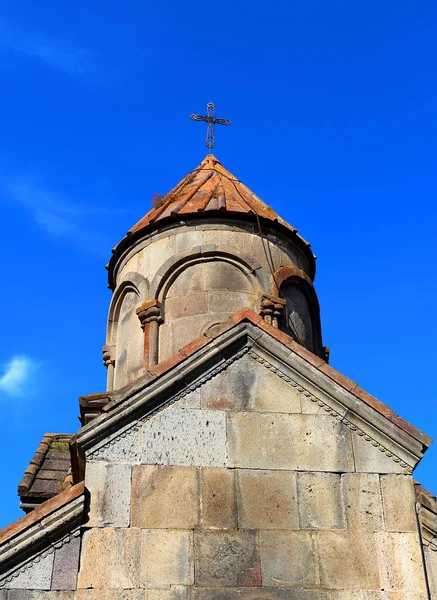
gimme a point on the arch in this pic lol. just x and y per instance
(172, 268)
(301, 318)
(132, 282)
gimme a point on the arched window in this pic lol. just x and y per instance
(301, 318)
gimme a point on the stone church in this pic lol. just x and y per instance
(226, 460)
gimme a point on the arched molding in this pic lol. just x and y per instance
(132, 282)
(284, 273)
(174, 266)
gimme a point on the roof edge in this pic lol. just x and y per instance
(47, 518)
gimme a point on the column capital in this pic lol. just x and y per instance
(148, 312)
(271, 309)
(108, 355)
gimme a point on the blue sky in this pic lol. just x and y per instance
(334, 125)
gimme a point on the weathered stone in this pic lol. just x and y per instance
(191, 400)
(263, 593)
(110, 558)
(281, 441)
(186, 305)
(175, 592)
(177, 436)
(399, 502)
(246, 385)
(369, 459)
(121, 446)
(288, 558)
(109, 594)
(37, 595)
(362, 500)
(320, 501)
(165, 497)
(109, 485)
(35, 575)
(347, 560)
(219, 509)
(229, 302)
(431, 569)
(400, 562)
(166, 558)
(267, 500)
(66, 565)
(227, 559)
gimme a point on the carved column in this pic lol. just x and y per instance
(271, 309)
(150, 318)
(109, 362)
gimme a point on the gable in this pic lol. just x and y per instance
(252, 412)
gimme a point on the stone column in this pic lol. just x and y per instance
(271, 309)
(150, 318)
(109, 362)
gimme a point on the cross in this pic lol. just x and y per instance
(211, 120)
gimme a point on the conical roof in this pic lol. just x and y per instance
(209, 190)
(209, 187)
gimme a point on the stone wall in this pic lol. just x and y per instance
(246, 488)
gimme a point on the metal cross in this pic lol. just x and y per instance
(211, 120)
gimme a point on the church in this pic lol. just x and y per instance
(226, 459)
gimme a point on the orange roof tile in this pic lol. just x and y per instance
(210, 187)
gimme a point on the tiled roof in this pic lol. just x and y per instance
(208, 190)
(210, 187)
(46, 473)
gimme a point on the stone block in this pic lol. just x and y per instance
(178, 436)
(37, 595)
(109, 594)
(191, 400)
(36, 574)
(359, 595)
(109, 486)
(183, 331)
(399, 502)
(190, 280)
(320, 501)
(282, 441)
(267, 500)
(166, 558)
(165, 497)
(152, 257)
(110, 558)
(362, 501)
(229, 302)
(185, 240)
(246, 385)
(174, 592)
(263, 593)
(369, 459)
(227, 559)
(221, 275)
(288, 558)
(400, 560)
(66, 565)
(347, 560)
(121, 446)
(185, 305)
(219, 508)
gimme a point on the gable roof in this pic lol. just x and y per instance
(45, 476)
(244, 329)
(209, 190)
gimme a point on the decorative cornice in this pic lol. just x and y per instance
(330, 411)
(15, 572)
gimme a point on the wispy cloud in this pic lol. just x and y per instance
(16, 375)
(59, 216)
(55, 53)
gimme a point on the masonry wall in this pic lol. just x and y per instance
(248, 488)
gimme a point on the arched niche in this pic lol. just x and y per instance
(199, 290)
(301, 315)
(124, 333)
